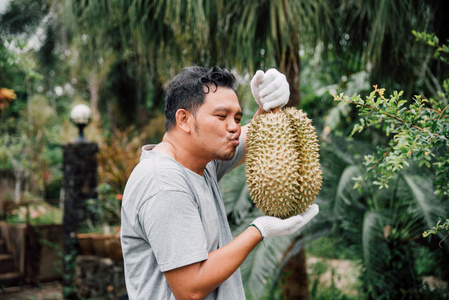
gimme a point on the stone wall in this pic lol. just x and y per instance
(35, 250)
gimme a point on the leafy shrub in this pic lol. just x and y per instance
(118, 155)
(37, 212)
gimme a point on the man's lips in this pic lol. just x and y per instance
(235, 141)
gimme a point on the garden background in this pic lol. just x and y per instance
(372, 75)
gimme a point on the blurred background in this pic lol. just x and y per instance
(372, 76)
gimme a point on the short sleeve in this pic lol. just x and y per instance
(173, 227)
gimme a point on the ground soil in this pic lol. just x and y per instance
(45, 291)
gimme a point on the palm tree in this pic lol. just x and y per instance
(377, 36)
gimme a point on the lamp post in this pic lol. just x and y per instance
(80, 184)
(81, 115)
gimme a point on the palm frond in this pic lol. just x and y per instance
(424, 205)
(263, 262)
(426, 201)
(23, 17)
(345, 188)
(235, 195)
(374, 250)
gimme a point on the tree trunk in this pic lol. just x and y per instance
(94, 90)
(142, 112)
(290, 65)
(295, 285)
(17, 192)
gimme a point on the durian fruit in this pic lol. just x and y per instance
(282, 164)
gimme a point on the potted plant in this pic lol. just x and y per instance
(100, 234)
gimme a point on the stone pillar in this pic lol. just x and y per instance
(80, 184)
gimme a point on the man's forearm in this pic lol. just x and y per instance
(198, 280)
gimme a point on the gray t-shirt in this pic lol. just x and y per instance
(173, 217)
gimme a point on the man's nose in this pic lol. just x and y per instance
(233, 126)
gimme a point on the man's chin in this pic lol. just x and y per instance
(227, 156)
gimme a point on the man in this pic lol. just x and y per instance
(175, 237)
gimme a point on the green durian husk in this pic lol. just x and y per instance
(283, 171)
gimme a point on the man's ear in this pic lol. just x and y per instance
(184, 119)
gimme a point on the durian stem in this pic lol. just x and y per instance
(276, 110)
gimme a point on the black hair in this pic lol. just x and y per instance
(187, 90)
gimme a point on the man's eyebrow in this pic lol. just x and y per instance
(222, 108)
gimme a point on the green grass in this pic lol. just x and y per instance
(330, 247)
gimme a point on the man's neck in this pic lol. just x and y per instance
(182, 153)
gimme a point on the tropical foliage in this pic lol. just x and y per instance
(382, 227)
(420, 131)
(117, 56)
(392, 221)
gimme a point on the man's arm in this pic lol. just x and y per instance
(198, 280)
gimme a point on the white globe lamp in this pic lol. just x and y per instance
(81, 115)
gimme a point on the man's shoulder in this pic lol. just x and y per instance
(154, 175)
(157, 165)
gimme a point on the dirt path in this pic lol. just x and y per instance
(45, 291)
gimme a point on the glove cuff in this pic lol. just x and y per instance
(252, 224)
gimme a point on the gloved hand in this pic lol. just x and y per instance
(270, 89)
(272, 226)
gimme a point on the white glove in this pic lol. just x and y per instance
(272, 226)
(270, 89)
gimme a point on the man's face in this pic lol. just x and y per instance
(217, 124)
